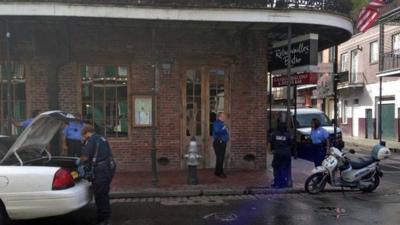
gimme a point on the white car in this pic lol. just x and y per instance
(34, 184)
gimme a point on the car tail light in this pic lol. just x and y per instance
(62, 180)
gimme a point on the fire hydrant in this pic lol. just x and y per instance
(192, 160)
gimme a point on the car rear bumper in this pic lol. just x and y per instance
(50, 203)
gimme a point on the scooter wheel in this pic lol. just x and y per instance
(315, 183)
(375, 180)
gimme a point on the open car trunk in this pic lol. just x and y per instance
(59, 161)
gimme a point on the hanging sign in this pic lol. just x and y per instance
(304, 55)
(297, 79)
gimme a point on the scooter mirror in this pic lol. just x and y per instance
(352, 151)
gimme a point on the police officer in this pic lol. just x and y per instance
(320, 141)
(98, 152)
(73, 136)
(24, 124)
(221, 138)
(281, 145)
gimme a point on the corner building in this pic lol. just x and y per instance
(105, 58)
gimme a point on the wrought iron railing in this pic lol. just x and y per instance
(391, 60)
(347, 78)
(336, 6)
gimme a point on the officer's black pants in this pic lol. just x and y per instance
(219, 148)
(74, 147)
(101, 186)
(281, 165)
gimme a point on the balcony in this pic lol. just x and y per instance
(335, 6)
(351, 81)
(391, 64)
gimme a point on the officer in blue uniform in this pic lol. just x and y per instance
(73, 136)
(221, 138)
(98, 152)
(320, 141)
(281, 146)
(24, 124)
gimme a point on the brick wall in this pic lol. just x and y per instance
(129, 43)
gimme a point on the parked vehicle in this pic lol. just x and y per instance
(303, 129)
(33, 183)
(339, 171)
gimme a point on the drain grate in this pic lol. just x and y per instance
(223, 217)
(191, 201)
(331, 211)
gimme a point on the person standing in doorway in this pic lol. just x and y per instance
(320, 141)
(72, 141)
(221, 137)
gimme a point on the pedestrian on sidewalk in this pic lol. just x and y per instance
(97, 151)
(221, 138)
(320, 141)
(72, 141)
(281, 146)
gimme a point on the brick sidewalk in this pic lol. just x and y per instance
(174, 183)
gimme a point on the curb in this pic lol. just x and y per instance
(154, 193)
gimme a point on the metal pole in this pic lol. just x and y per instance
(335, 100)
(380, 110)
(289, 67)
(289, 80)
(270, 103)
(381, 64)
(295, 121)
(154, 179)
(8, 72)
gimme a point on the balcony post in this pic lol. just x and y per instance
(381, 63)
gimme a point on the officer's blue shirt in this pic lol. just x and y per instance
(220, 131)
(24, 124)
(319, 135)
(73, 130)
(89, 149)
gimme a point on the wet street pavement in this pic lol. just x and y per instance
(353, 208)
(350, 207)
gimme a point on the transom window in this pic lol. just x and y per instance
(104, 98)
(18, 97)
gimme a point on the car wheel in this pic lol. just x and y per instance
(4, 219)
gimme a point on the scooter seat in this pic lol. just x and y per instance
(361, 162)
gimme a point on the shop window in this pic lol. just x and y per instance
(18, 96)
(217, 94)
(104, 98)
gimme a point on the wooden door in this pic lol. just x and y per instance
(204, 94)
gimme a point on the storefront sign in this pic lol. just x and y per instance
(298, 79)
(304, 54)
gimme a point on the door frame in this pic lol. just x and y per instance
(206, 139)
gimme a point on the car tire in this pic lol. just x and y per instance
(4, 219)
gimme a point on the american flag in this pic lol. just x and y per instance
(369, 15)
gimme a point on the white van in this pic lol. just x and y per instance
(303, 128)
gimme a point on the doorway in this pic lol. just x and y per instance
(205, 93)
(369, 126)
(388, 129)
